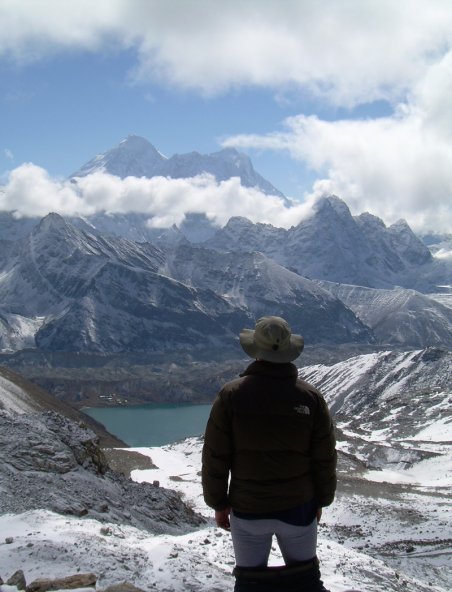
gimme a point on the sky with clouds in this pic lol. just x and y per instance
(349, 97)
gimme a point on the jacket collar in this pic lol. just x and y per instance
(288, 370)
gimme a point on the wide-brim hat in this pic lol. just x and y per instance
(271, 340)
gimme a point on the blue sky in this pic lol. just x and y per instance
(61, 111)
(344, 97)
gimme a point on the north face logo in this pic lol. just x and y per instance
(303, 409)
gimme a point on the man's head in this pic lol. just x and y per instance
(271, 340)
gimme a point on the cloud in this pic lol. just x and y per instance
(444, 254)
(32, 30)
(8, 154)
(391, 166)
(30, 191)
(346, 52)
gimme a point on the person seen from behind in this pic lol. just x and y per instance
(269, 463)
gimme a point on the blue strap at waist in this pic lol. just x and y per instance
(301, 515)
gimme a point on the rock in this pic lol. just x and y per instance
(9, 540)
(125, 461)
(122, 587)
(18, 580)
(68, 583)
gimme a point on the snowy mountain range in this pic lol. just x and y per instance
(137, 157)
(69, 288)
(333, 245)
(110, 283)
(388, 530)
(108, 294)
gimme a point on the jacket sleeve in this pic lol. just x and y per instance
(217, 456)
(323, 455)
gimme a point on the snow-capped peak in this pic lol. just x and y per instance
(135, 156)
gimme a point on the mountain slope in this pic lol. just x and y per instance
(104, 294)
(20, 396)
(399, 316)
(366, 384)
(72, 288)
(131, 309)
(329, 245)
(132, 157)
(50, 462)
(259, 285)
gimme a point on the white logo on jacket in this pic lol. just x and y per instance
(303, 409)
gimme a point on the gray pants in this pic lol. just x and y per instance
(252, 541)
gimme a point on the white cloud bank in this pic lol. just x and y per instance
(30, 191)
(344, 53)
(348, 51)
(396, 166)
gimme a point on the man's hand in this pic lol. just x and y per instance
(222, 518)
(319, 514)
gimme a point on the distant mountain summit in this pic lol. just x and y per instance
(133, 157)
(333, 245)
(137, 157)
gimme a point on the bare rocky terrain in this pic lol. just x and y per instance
(48, 461)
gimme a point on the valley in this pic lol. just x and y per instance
(84, 379)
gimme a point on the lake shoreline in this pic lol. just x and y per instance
(84, 408)
(152, 424)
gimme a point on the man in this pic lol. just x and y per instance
(271, 435)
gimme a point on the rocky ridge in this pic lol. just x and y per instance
(48, 461)
(20, 396)
(333, 245)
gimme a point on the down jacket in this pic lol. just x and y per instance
(272, 434)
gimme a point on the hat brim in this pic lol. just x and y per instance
(280, 356)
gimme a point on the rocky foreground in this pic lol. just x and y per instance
(48, 461)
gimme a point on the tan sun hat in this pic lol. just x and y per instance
(272, 340)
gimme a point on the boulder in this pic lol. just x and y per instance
(68, 583)
(18, 580)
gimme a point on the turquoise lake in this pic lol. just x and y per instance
(152, 424)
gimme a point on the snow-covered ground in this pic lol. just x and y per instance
(18, 332)
(389, 529)
(354, 528)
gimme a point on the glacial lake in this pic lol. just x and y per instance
(152, 424)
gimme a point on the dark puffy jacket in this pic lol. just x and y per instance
(273, 433)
